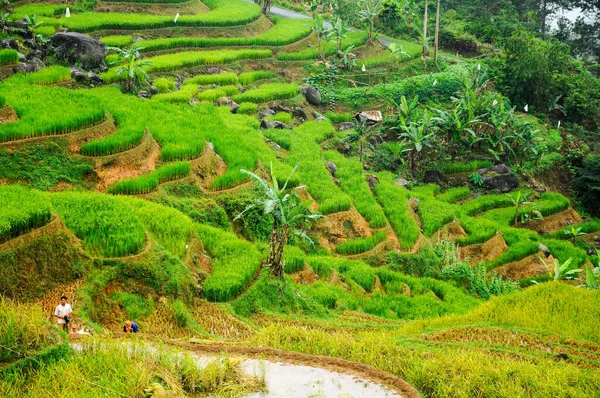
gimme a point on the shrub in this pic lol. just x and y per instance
(268, 92)
(21, 210)
(394, 201)
(247, 108)
(8, 57)
(361, 245)
(149, 182)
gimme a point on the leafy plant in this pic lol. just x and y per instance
(573, 233)
(133, 69)
(369, 13)
(418, 136)
(564, 271)
(291, 216)
(476, 179)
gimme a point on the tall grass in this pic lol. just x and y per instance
(149, 182)
(21, 210)
(285, 31)
(223, 13)
(361, 245)
(235, 262)
(8, 57)
(394, 201)
(268, 92)
(352, 182)
(171, 62)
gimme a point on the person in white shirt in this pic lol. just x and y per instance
(63, 313)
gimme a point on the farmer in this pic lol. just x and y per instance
(63, 314)
(130, 327)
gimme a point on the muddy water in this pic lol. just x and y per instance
(296, 381)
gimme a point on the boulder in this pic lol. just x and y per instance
(77, 48)
(154, 90)
(369, 117)
(401, 182)
(78, 74)
(499, 177)
(20, 25)
(228, 102)
(274, 124)
(34, 65)
(544, 249)
(145, 94)
(97, 79)
(9, 44)
(320, 119)
(344, 148)
(331, 167)
(299, 113)
(266, 113)
(213, 70)
(346, 126)
(280, 108)
(312, 95)
(372, 180)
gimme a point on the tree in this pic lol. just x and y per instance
(291, 216)
(339, 30)
(265, 5)
(418, 137)
(437, 32)
(133, 68)
(587, 184)
(369, 12)
(425, 39)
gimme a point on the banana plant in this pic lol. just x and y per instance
(133, 67)
(398, 52)
(573, 233)
(592, 276)
(417, 136)
(369, 13)
(564, 271)
(519, 201)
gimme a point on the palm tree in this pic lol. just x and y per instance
(133, 67)
(291, 216)
(417, 136)
(369, 13)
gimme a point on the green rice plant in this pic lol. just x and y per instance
(306, 152)
(355, 39)
(223, 13)
(352, 182)
(8, 57)
(164, 84)
(361, 245)
(564, 250)
(268, 92)
(21, 210)
(285, 31)
(294, 259)
(171, 62)
(339, 117)
(235, 262)
(106, 226)
(2, 100)
(485, 203)
(464, 167)
(220, 79)
(586, 228)
(50, 75)
(514, 252)
(214, 94)
(253, 76)
(363, 275)
(454, 195)
(45, 31)
(184, 95)
(479, 230)
(134, 305)
(117, 40)
(124, 139)
(247, 108)
(283, 117)
(394, 201)
(150, 182)
(435, 214)
(321, 265)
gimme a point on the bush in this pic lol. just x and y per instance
(587, 186)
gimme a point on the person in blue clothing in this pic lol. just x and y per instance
(130, 327)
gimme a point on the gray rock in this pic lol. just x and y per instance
(401, 182)
(266, 113)
(434, 177)
(344, 148)
(312, 95)
(372, 180)
(320, 119)
(145, 94)
(280, 108)
(78, 74)
(299, 113)
(331, 167)
(274, 124)
(316, 114)
(499, 177)
(153, 90)
(20, 25)
(275, 146)
(596, 238)
(135, 39)
(544, 249)
(97, 79)
(10, 44)
(213, 70)
(22, 57)
(34, 65)
(228, 102)
(77, 48)
(346, 126)
(369, 117)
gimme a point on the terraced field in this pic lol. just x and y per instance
(129, 204)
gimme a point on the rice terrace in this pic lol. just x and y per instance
(299, 198)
